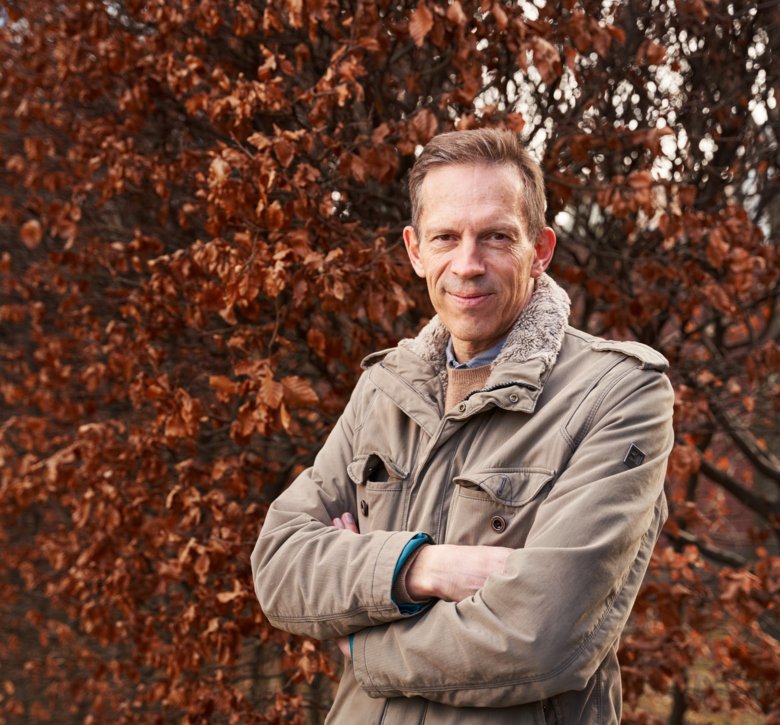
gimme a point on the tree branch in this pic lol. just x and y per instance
(764, 461)
(711, 551)
(761, 505)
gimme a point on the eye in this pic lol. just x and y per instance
(444, 238)
(498, 237)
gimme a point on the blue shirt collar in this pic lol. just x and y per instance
(484, 358)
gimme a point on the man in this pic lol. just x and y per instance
(476, 527)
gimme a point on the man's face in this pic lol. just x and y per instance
(472, 249)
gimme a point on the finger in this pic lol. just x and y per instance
(349, 522)
(338, 523)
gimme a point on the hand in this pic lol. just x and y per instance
(346, 521)
(343, 644)
(452, 572)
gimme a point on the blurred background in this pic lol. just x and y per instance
(201, 205)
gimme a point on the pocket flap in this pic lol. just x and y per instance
(511, 488)
(374, 467)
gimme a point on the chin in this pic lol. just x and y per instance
(476, 339)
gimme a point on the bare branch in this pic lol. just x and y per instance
(709, 550)
(763, 460)
(765, 508)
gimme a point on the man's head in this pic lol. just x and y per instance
(478, 235)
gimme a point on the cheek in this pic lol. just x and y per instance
(430, 282)
(517, 275)
(433, 273)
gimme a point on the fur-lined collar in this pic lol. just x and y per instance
(537, 333)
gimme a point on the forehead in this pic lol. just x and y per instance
(471, 191)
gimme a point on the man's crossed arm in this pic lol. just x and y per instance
(448, 572)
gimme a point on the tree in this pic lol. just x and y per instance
(200, 216)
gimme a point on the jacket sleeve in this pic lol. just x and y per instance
(544, 625)
(312, 578)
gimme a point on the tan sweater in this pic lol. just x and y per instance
(462, 381)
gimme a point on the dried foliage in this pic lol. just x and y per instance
(200, 214)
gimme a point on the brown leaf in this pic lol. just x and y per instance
(515, 122)
(546, 59)
(358, 168)
(370, 44)
(640, 179)
(455, 13)
(218, 171)
(718, 297)
(601, 41)
(379, 134)
(295, 13)
(237, 593)
(286, 418)
(32, 233)
(420, 24)
(298, 391)
(684, 461)
(202, 565)
(717, 248)
(259, 141)
(316, 341)
(617, 33)
(271, 392)
(423, 126)
(500, 16)
(650, 52)
(274, 216)
(224, 386)
(687, 195)
(285, 151)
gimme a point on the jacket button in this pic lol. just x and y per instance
(498, 524)
(364, 507)
(462, 408)
(514, 397)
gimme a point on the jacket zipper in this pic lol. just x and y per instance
(528, 386)
(548, 712)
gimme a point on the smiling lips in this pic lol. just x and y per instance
(468, 299)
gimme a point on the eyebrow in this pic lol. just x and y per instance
(489, 228)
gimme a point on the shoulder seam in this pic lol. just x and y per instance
(375, 357)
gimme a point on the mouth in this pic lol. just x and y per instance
(469, 299)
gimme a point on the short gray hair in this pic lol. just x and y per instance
(482, 146)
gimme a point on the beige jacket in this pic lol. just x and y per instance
(561, 456)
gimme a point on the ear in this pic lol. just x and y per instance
(543, 249)
(412, 244)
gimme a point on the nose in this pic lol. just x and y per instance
(467, 258)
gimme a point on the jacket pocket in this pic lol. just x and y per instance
(496, 507)
(381, 491)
